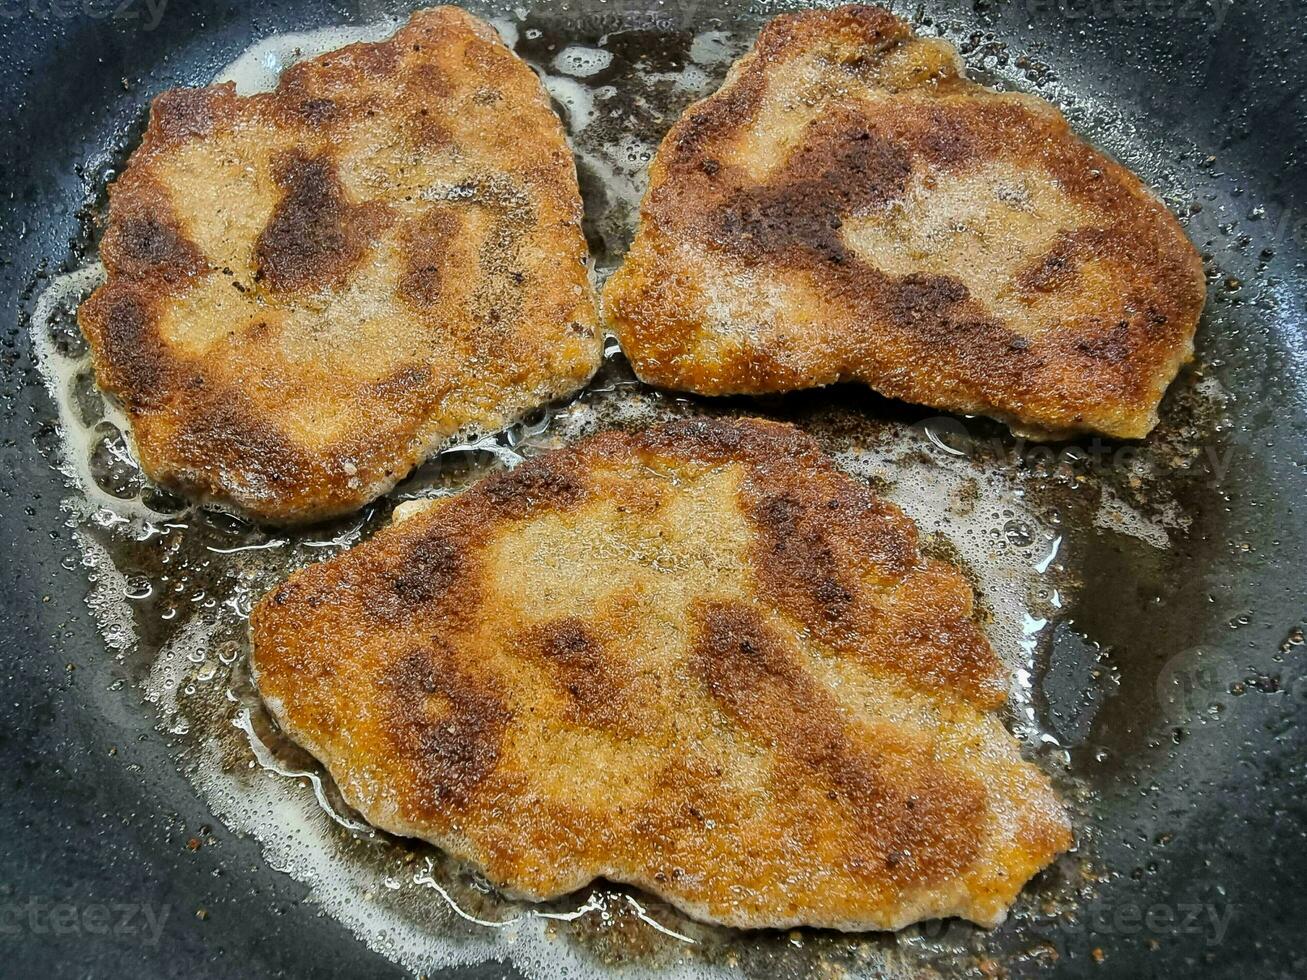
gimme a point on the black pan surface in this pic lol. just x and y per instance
(1174, 677)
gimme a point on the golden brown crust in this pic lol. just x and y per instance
(310, 289)
(848, 207)
(696, 658)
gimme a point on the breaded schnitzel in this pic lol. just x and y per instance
(849, 207)
(696, 658)
(311, 289)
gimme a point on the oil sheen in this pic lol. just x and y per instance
(172, 585)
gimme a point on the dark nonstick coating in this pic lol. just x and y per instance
(1195, 814)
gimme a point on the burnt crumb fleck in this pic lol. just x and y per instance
(1113, 346)
(318, 112)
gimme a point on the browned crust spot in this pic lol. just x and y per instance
(448, 722)
(540, 483)
(907, 834)
(153, 244)
(843, 166)
(428, 251)
(134, 364)
(314, 237)
(597, 687)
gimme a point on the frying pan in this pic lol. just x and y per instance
(1170, 685)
